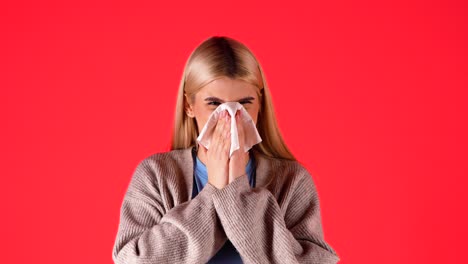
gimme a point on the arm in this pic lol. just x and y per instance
(257, 227)
(188, 233)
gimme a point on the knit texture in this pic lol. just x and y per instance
(278, 221)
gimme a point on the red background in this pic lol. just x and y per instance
(370, 96)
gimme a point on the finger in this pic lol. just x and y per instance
(219, 123)
(227, 135)
(218, 133)
(240, 129)
(219, 137)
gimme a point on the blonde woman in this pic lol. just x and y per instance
(204, 205)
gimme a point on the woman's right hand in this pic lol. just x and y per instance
(217, 164)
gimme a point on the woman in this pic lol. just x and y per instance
(199, 205)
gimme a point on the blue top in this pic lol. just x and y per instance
(228, 253)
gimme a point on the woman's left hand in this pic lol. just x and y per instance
(239, 158)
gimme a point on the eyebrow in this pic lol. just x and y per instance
(212, 98)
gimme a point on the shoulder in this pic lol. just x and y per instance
(156, 170)
(291, 169)
(164, 160)
(173, 163)
(284, 174)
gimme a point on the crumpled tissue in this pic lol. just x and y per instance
(251, 136)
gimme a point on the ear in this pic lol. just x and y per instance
(188, 107)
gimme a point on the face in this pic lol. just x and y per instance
(219, 91)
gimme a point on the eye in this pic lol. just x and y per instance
(214, 103)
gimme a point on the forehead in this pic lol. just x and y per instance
(227, 88)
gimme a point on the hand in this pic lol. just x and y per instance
(217, 156)
(239, 158)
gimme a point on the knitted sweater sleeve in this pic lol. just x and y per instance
(189, 232)
(263, 232)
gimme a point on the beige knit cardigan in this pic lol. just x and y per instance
(278, 221)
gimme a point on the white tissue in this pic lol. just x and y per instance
(251, 136)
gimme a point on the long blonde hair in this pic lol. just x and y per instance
(217, 57)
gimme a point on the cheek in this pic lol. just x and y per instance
(202, 116)
(203, 123)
